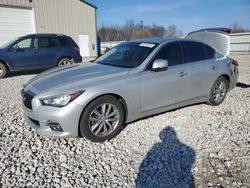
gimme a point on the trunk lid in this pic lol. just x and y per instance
(217, 38)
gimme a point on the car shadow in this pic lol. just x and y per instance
(167, 164)
(23, 73)
(242, 85)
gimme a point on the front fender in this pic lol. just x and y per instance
(127, 89)
(7, 64)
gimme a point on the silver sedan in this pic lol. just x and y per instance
(133, 80)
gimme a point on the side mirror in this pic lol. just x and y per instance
(160, 65)
(18, 50)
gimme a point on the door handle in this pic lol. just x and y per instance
(182, 74)
(214, 67)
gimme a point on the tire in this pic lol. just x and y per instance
(65, 62)
(94, 124)
(3, 70)
(219, 91)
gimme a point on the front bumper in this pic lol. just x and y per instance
(67, 117)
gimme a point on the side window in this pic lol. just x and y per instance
(23, 44)
(194, 51)
(172, 53)
(210, 52)
(63, 41)
(47, 42)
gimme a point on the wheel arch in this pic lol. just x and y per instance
(62, 57)
(227, 77)
(118, 97)
(5, 64)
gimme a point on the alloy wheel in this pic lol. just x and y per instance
(104, 119)
(65, 63)
(1, 71)
(220, 90)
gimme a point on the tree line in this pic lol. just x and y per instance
(131, 30)
(237, 28)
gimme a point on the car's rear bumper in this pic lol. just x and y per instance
(78, 59)
(234, 78)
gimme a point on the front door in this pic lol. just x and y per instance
(160, 89)
(22, 54)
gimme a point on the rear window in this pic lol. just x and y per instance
(64, 41)
(194, 51)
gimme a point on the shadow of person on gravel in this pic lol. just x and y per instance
(168, 164)
(242, 85)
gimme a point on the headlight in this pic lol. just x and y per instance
(60, 100)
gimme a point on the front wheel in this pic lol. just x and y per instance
(65, 62)
(3, 70)
(102, 119)
(218, 91)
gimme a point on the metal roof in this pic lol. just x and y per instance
(84, 1)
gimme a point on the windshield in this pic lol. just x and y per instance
(127, 55)
(8, 43)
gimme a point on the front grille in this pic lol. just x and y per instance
(27, 99)
(34, 121)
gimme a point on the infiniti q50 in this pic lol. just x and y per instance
(133, 80)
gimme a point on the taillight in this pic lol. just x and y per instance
(226, 30)
(235, 63)
(77, 49)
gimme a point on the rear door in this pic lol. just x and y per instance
(203, 68)
(160, 89)
(48, 48)
(217, 38)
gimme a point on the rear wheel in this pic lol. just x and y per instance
(102, 119)
(219, 91)
(65, 62)
(3, 70)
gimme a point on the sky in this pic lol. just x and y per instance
(187, 15)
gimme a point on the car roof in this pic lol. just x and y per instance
(163, 40)
(154, 40)
(43, 34)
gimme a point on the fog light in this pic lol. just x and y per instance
(55, 126)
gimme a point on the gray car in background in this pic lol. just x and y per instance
(133, 80)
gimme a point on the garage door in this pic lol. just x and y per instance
(15, 22)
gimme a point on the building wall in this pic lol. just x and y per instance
(69, 17)
(18, 3)
(240, 42)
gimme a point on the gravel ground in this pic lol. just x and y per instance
(197, 145)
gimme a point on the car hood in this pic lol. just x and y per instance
(75, 76)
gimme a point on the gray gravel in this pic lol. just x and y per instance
(197, 145)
